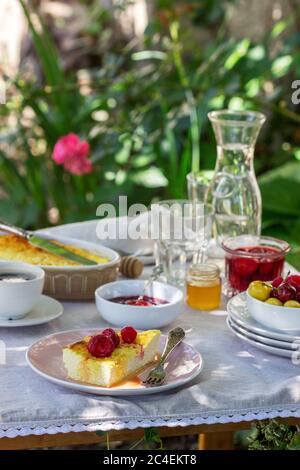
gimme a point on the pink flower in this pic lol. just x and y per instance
(78, 166)
(72, 152)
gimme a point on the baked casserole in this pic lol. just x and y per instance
(14, 248)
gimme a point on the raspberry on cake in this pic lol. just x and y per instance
(101, 360)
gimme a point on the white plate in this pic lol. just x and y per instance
(47, 309)
(263, 339)
(45, 358)
(237, 309)
(264, 347)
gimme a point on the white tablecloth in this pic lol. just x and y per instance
(238, 382)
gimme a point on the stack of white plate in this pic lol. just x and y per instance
(241, 323)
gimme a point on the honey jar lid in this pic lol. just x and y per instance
(205, 271)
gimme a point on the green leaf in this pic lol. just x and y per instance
(253, 87)
(281, 65)
(9, 211)
(280, 190)
(123, 155)
(239, 51)
(281, 196)
(139, 161)
(294, 259)
(295, 442)
(48, 56)
(152, 436)
(289, 170)
(121, 177)
(150, 178)
(278, 28)
(257, 53)
(146, 55)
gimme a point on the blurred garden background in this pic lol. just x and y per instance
(136, 79)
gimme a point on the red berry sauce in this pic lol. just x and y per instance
(240, 271)
(135, 301)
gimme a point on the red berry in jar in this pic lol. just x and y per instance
(245, 266)
(110, 333)
(100, 346)
(128, 334)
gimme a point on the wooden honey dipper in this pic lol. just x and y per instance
(130, 266)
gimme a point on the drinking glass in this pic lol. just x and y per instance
(182, 230)
(198, 185)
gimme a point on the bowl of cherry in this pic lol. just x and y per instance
(249, 258)
(276, 304)
(122, 303)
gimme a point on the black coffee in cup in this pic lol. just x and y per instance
(16, 277)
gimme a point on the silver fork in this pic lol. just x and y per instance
(158, 374)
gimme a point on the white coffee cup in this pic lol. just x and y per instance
(18, 298)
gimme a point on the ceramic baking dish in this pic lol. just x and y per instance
(80, 282)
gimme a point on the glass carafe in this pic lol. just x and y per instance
(234, 192)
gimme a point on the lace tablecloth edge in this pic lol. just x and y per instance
(144, 423)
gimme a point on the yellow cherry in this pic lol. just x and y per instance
(292, 304)
(259, 290)
(273, 301)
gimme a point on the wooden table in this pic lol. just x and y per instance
(210, 436)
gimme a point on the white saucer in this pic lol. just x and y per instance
(263, 339)
(257, 344)
(238, 311)
(47, 309)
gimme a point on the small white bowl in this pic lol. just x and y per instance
(18, 298)
(139, 317)
(273, 316)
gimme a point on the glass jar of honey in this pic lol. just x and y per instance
(203, 286)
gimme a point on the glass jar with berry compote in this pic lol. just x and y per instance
(249, 258)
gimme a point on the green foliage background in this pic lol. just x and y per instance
(142, 110)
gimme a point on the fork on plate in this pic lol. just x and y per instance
(158, 374)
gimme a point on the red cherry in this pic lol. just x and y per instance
(274, 293)
(277, 281)
(286, 292)
(100, 346)
(110, 333)
(294, 280)
(128, 334)
(245, 266)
